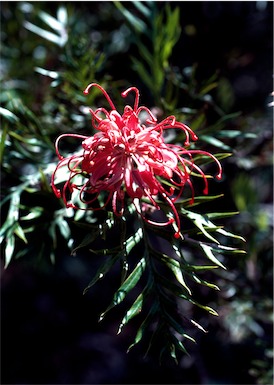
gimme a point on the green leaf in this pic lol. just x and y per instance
(20, 232)
(10, 245)
(176, 267)
(63, 227)
(136, 23)
(10, 116)
(144, 325)
(103, 269)
(206, 308)
(143, 8)
(200, 281)
(128, 285)
(3, 142)
(51, 74)
(59, 40)
(215, 142)
(201, 222)
(222, 215)
(35, 212)
(133, 240)
(89, 238)
(229, 234)
(135, 309)
(197, 200)
(189, 267)
(208, 252)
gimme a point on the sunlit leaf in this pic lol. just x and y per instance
(9, 249)
(62, 15)
(135, 309)
(144, 325)
(201, 222)
(208, 252)
(51, 74)
(135, 22)
(215, 142)
(20, 233)
(10, 116)
(128, 285)
(51, 21)
(59, 40)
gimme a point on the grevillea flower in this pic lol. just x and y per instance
(128, 158)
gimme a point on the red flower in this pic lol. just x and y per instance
(129, 158)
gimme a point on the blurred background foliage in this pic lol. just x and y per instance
(208, 63)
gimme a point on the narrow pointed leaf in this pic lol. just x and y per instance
(199, 267)
(51, 21)
(135, 309)
(176, 269)
(201, 222)
(228, 234)
(222, 215)
(20, 233)
(103, 269)
(208, 251)
(215, 142)
(10, 245)
(197, 279)
(8, 115)
(128, 285)
(144, 325)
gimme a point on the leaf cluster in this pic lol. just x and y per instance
(48, 102)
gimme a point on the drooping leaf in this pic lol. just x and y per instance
(10, 116)
(103, 269)
(127, 286)
(208, 252)
(134, 310)
(201, 222)
(144, 325)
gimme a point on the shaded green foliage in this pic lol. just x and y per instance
(45, 100)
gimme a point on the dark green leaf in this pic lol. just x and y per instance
(128, 285)
(135, 309)
(103, 269)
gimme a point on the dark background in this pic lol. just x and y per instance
(50, 333)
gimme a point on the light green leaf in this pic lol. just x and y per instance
(222, 215)
(188, 267)
(147, 321)
(133, 240)
(51, 21)
(8, 115)
(63, 227)
(200, 281)
(197, 200)
(143, 8)
(228, 234)
(135, 309)
(59, 40)
(10, 245)
(20, 232)
(206, 308)
(135, 22)
(128, 285)
(176, 269)
(215, 142)
(201, 222)
(208, 251)
(51, 74)
(62, 15)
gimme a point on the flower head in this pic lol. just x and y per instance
(128, 158)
